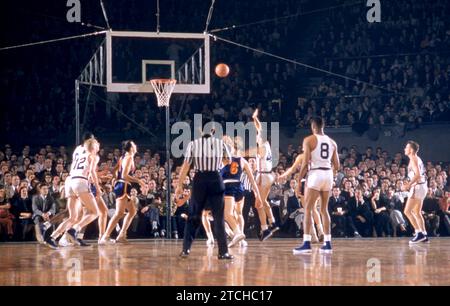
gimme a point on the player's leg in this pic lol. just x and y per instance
(131, 212)
(265, 213)
(229, 213)
(89, 215)
(118, 214)
(71, 220)
(413, 212)
(102, 211)
(318, 220)
(311, 196)
(324, 196)
(240, 219)
(207, 227)
(72, 203)
(269, 179)
(230, 218)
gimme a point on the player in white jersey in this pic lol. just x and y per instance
(317, 235)
(320, 156)
(264, 179)
(417, 187)
(77, 189)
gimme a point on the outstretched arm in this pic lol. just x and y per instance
(257, 122)
(298, 161)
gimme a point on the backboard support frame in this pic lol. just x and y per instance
(145, 87)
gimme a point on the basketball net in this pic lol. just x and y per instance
(163, 90)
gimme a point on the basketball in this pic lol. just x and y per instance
(222, 70)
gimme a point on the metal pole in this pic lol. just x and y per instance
(168, 174)
(77, 112)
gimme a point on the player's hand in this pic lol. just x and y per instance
(255, 114)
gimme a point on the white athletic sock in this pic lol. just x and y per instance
(264, 227)
(425, 233)
(416, 232)
(327, 238)
(306, 238)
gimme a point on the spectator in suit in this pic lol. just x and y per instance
(7, 182)
(13, 189)
(395, 208)
(54, 189)
(361, 214)
(381, 215)
(293, 209)
(430, 212)
(44, 208)
(6, 218)
(46, 170)
(338, 210)
(109, 197)
(23, 213)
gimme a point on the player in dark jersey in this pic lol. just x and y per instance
(122, 190)
(234, 191)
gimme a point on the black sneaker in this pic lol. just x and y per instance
(185, 253)
(51, 243)
(419, 237)
(225, 256)
(266, 234)
(81, 243)
(273, 228)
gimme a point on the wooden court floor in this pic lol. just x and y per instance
(384, 261)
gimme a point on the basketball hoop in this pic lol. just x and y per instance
(163, 90)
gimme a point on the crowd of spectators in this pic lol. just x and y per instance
(367, 199)
(406, 57)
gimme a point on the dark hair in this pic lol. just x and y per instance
(87, 135)
(318, 121)
(126, 145)
(414, 145)
(42, 185)
(20, 190)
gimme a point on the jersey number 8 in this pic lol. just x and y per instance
(324, 150)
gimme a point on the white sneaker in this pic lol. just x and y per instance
(108, 241)
(243, 244)
(64, 241)
(236, 239)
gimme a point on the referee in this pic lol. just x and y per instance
(206, 153)
(249, 198)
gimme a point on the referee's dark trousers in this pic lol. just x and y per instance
(207, 193)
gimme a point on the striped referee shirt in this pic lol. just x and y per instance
(246, 182)
(206, 153)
